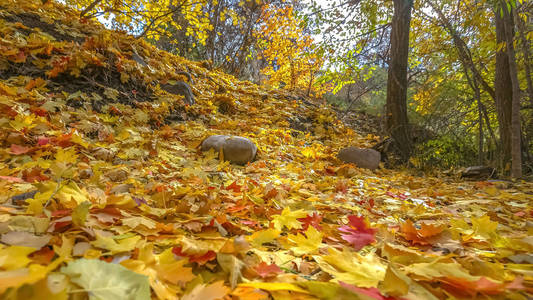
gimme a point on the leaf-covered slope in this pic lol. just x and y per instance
(99, 163)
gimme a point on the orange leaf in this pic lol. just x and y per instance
(419, 236)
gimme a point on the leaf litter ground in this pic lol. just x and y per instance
(105, 194)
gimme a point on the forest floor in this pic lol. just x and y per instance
(105, 193)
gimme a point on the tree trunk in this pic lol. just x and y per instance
(464, 52)
(503, 92)
(213, 34)
(396, 107)
(525, 46)
(480, 124)
(516, 133)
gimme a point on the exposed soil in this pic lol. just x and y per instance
(34, 21)
(93, 79)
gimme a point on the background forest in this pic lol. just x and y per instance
(469, 89)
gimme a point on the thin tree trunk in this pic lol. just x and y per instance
(487, 122)
(396, 107)
(467, 64)
(480, 124)
(504, 94)
(464, 52)
(516, 134)
(311, 78)
(213, 35)
(525, 46)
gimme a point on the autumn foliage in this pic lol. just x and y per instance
(105, 195)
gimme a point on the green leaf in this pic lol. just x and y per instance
(105, 281)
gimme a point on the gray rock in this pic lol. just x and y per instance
(362, 158)
(236, 149)
(479, 173)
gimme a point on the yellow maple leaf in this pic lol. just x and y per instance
(175, 272)
(306, 245)
(116, 246)
(484, 228)
(258, 238)
(289, 219)
(395, 283)
(15, 257)
(67, 156)
(434, 270)
(353, 268)
(71, 195)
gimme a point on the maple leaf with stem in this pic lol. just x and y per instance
(419, 235)
(288, 219)
(357, 232)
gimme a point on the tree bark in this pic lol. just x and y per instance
(396, 107)
(525, 47)
(503, 93)
(480, 129)
(516, 133)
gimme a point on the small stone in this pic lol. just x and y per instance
(361, 157)
(236, 149)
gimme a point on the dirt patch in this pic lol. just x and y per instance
(100, 80)
(20, 69)
(34, 21)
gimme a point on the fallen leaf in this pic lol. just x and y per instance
(213, 291)
(106, 280)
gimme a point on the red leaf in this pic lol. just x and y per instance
(234, 187)
(17, 150)
(313, 220)
(357, 232)
(42, 140)
(43, 256)
(200, 259)
(265, 270)
(64, 140)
